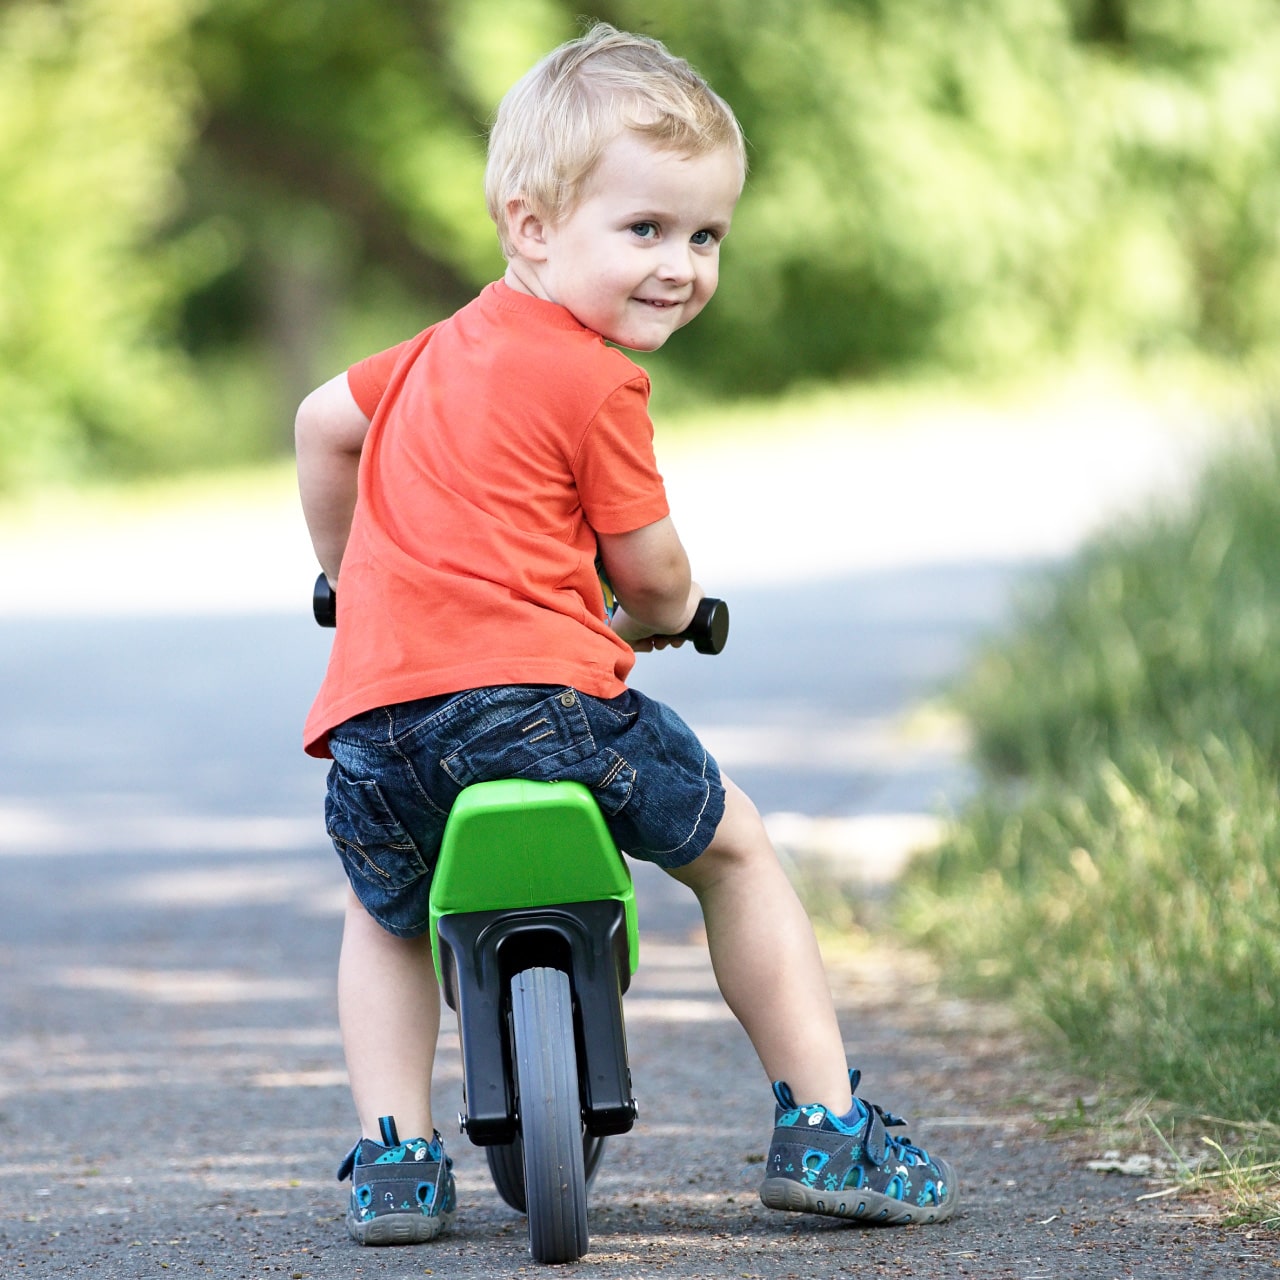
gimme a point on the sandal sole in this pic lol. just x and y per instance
(860, 1206)
(398, 1228)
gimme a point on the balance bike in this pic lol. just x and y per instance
(534, 936)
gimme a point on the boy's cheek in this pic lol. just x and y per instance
(701, 306)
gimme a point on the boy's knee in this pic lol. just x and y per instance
(740, 840)
(741, 827)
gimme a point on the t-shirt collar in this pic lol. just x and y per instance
(500, 294)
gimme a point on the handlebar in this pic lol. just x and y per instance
(324, 603)
(708, 631)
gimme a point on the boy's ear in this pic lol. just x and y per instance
(526, 230)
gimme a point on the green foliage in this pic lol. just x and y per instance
(209, 207)
(1170, 625)
(911, 182)
(1120, 869)
(94, 114)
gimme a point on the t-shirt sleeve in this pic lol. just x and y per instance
(368, 379)
(617, 475)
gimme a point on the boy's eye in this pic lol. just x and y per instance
(645, 230)
(703, 238)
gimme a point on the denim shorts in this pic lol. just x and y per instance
(397, 771)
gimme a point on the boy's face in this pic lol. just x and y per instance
(639, 256)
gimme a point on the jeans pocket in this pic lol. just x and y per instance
(542, 741)
(368, 836)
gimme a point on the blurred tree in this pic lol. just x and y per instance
(207, 207)
(348, 144)
(94, 116)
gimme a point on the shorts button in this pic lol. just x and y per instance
(567, 699)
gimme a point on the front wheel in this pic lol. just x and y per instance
(555, 1183)
(506, 1167)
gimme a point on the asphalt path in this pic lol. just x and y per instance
(172, 1096)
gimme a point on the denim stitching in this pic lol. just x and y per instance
(419, 789)
(537, 724)
(697, 822)
(352, 847)
(619, 765)
(622, 717)
(457, 705)
(577, 722)
(600, 788)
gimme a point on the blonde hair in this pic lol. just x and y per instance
(554, 124)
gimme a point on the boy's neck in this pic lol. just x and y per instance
(523, 280)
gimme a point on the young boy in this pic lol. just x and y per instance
(497, 454)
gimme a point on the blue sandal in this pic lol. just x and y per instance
(401, 1192)
(851, 1166)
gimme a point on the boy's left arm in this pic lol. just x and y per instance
(649, 572)
(329, 433)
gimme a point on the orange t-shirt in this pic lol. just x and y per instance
(501, 440)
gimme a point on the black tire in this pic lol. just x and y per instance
(550, 1114)
(592, 1150)
(506, 1167)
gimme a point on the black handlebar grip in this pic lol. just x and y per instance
(709, 629)
(324, 603)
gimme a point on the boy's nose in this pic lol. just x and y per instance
(677, 266)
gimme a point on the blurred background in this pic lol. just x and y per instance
(1003, 269)
(208, 208)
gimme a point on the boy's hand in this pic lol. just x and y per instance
(644, 639)
(657, 642)
(641, 638)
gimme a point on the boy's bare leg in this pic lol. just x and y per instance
(389, 1010)
(766, 957)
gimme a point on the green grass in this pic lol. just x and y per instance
(1118, 872)
(1246, 1183)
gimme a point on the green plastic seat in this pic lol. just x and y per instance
(514, 844)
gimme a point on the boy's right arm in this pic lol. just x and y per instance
(329, 433)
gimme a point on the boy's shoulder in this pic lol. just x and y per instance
(535, 342)
(537, 324)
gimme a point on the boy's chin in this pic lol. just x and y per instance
(639, 342)
(640, 346)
